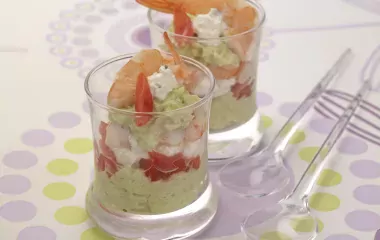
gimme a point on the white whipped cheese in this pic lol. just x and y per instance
(171, 142)
(117, 136)
(195, 148)
(221, 87)
(209, 25)
(168, 150)
(162, 82)
(128, 156)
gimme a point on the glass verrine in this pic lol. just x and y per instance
(233, 60)
(137, 191)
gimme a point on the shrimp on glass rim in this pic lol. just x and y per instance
(225, 36)
(238, 16)
(131, 85)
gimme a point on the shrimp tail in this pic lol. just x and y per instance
(165, 6)
(177, 58)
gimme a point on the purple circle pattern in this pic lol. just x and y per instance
(130, 5)
(141, 36)
(60, 50)
(68, 15)
(363, 220)
(37, 138)
(341, 237)
(71, 62)
(64, 120)
(56, 38)
(287, 109)
(368, 194)
(322, 125)
(115, 37)
(59, 26)
(366, 169)
(109, 11)
(18, 211)
(93, 19)
(263, 99)
(81, 41)
(14, 184)
(85, 7)
(37, 233)
(352, 146)
(89, 53)
(82, 29)
(20, 159)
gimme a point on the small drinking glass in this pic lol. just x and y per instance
(139, 193)
(235, 121)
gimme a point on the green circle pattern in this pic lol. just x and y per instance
(275, 235)
(306, 224)
(71, 215)
(62, 167)
(79, 145)
(298, 137)
(266, 122)
(324, 202)
(95, 234)
(329, 178)
(59, 191)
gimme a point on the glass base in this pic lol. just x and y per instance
(181, 224)
(234, 142)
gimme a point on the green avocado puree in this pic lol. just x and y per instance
(148, 135)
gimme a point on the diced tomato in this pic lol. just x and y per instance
(183, 26)
(145, 164)
(144, 100)
(153, 174)
(103, 129)
(225, 72)
(240, 90)
(195, 162)
(111, 166)
(101, 163)
(165, 163)
(105, 149)
(161, 167)
(181, 164)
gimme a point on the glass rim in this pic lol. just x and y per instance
(109, 108)
(257, 5)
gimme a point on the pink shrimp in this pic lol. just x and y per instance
(122, 93)
(196, 128)
(237, 14)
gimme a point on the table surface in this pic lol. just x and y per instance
(46, 49)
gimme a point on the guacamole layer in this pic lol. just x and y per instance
(228, 112)
(129, 190)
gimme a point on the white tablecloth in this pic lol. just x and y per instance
(46, 48)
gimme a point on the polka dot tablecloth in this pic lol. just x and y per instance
(47, 49)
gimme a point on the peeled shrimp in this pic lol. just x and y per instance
(238, 15)
(191, 6)
(117, 136)
(122, 93)
(184, 74)
(197, 127)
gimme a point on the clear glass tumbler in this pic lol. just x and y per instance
(138, 193)
(233, 60)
